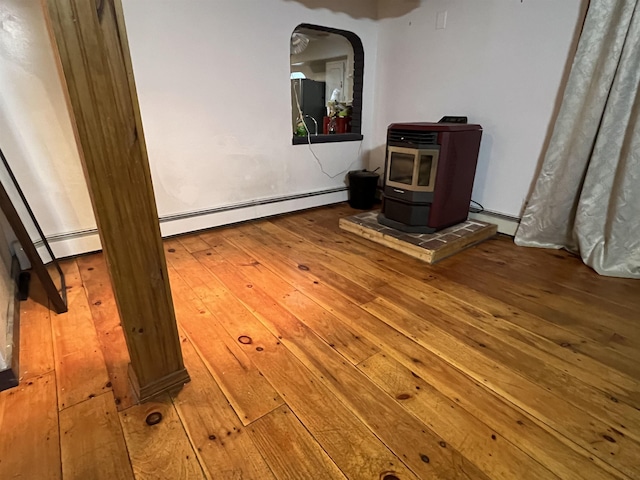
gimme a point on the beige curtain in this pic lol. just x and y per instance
(587, 197)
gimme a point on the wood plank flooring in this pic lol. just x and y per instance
(316, 354)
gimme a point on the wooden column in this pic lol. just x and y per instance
(90, 39)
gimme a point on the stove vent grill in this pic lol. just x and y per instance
(412, 138)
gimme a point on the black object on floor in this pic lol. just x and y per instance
(23, 285)
(362, 189)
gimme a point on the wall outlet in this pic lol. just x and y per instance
(441, 20)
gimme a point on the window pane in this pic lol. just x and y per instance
(424, 174)
(401, 168)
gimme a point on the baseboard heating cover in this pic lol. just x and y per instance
(84, 241)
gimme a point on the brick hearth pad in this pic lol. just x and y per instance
(430, 247)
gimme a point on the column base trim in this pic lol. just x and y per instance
(174, 380)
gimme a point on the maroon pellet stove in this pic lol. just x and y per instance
(429, 173)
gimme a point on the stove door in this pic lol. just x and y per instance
(412, 169)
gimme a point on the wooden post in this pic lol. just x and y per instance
(90, 39)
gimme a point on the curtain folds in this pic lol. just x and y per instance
(587, 196)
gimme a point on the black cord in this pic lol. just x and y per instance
(478, 209)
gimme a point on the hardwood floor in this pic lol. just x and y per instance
(316, 354)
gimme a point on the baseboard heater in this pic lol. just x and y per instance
(200, 213)
(248, 204)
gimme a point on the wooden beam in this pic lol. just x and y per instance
(90, 41)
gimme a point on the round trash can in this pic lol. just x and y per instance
(362, 189)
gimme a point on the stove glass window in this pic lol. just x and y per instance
(401, 168)
(424, 172)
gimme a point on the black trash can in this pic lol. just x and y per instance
(362, 189)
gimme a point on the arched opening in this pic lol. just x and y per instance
(327, 70)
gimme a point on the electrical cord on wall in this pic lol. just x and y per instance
(478, 209)
(301, 118)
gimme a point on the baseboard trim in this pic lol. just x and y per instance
(85, 241)
(506, 223)
(174, 380)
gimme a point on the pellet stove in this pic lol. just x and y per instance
(429, 173)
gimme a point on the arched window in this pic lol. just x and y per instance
(327, 70)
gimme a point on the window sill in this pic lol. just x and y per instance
(337, 137)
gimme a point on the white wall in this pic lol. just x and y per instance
(35, 130)
(498, 62)
(214, 90)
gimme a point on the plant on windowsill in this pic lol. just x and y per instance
(339, 115)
